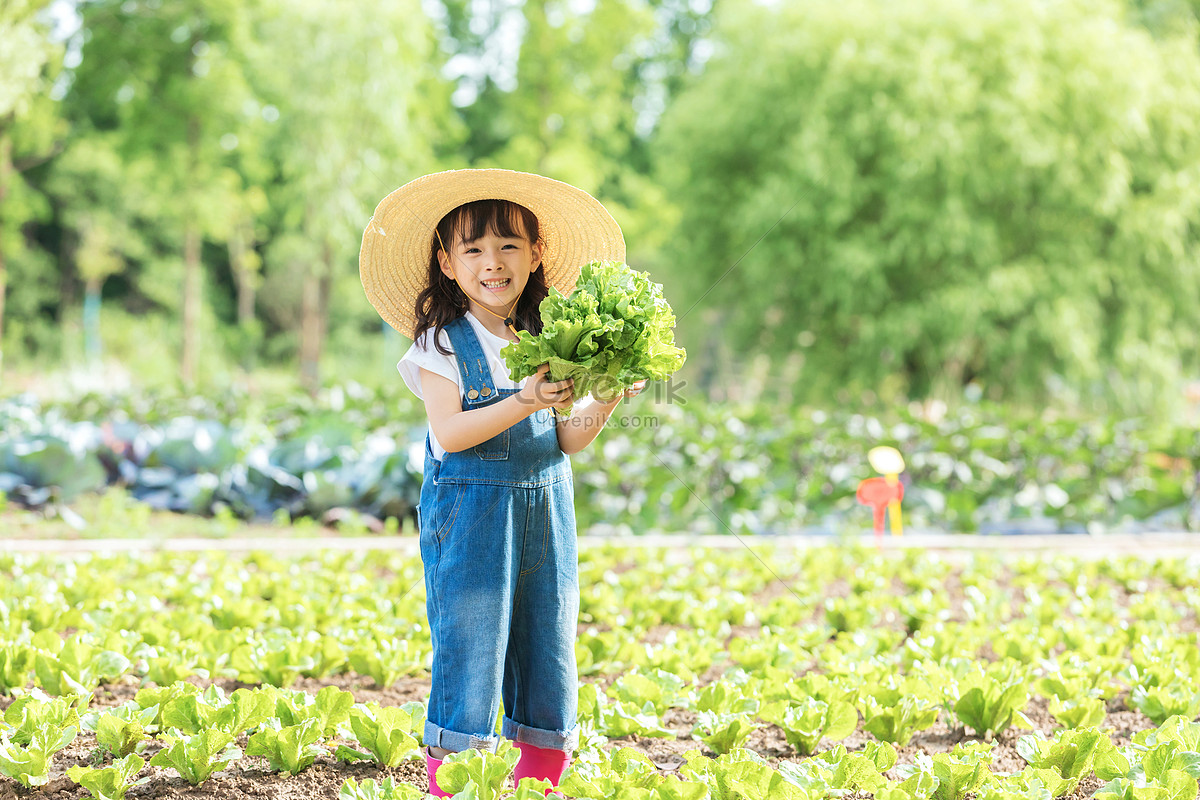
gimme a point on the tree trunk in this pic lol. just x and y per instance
(191, 275)
(243, 275)
(310, 330)
(5, 176)
(191, 302)
(91, 321)
(246, 281)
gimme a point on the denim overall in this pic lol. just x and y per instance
(497, 527)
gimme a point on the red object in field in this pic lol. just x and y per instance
(877, 493)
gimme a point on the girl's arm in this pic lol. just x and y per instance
(586, 421)
(457, 430)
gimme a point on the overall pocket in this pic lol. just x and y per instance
(446, 508)
(494, 449)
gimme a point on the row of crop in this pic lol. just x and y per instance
(268, 620)
(196, 732)
(672, 466)
(896, 698)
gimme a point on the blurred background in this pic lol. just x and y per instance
(860, 204)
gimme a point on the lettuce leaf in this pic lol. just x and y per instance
(613, 330)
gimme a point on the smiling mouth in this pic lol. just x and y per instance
(497, 284)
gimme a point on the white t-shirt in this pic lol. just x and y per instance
(423, 354)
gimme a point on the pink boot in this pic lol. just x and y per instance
(540, 763)
(431, 767)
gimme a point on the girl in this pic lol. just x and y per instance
(459, 261)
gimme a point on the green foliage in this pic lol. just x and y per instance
(955, 774)
(806, 722)
(388, 789)
(908, 197)
(37, 712)
(388, 734)
(741, 775)
(989, 697)
(288, 749)
(724, 732)
(613, 330)
(483, 771)
(894, 715)
(1061, 762)
(121, 737)
(112, 782)
(197, 757)
(330, 707)
(1162, 702)
(1086, 712)
(29, 764)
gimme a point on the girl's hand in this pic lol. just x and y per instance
(635, 390)
(540, 392)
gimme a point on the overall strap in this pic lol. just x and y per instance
(477, 386)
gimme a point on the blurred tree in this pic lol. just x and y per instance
(574, 91)
(358, 104)
(28, 129)
(916, 196)
(166, 78)
(104, 203)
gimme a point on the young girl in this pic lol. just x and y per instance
(459, 261)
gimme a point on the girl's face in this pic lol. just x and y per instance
(493, 269)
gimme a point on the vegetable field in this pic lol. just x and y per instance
(668, 463)
(778, 673)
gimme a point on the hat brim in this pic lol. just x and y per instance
(394, 260)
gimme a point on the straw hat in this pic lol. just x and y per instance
(394, 260)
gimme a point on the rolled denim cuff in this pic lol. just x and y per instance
(455, 742)
(567, 741)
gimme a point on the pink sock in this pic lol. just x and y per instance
(431, 767)
(541, 763)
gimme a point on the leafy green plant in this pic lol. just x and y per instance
(891, 715)
(724, 732)
(288, 749)
(388, 789)
(77, 667)
(1086, 712)
(613, 330)
(37, 712)
(122, 737)
(16, 663)
(387, 733)
(805, 723)
(330, 707)
(862, 771)
(622, 772)
(989, 698)
(964, 769)
(658, 688)
(483, 771)
(29, 765)
(385, 660)
(111, 782)
(197, 757)
(742, 774)
(1162, 702)
(1062, 761)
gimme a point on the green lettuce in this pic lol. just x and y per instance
(613, 330)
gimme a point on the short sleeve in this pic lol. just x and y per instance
(423, 356)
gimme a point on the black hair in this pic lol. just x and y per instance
(442, 300)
